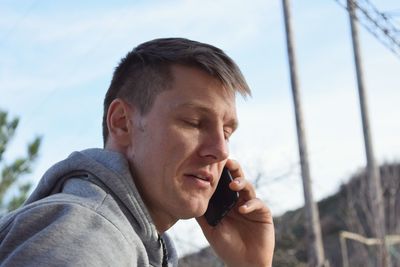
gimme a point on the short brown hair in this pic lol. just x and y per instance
(145, 71)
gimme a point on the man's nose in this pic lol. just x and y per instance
(215, 146)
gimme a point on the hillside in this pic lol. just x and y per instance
(346, 210)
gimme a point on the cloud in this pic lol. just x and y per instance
(56, 48)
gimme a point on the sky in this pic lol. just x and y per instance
(57, 60)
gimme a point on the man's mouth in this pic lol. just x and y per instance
(203, 177)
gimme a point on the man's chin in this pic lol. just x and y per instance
(194, 212)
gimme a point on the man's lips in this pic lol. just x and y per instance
(201, 176)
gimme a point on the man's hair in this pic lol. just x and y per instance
(145, 71)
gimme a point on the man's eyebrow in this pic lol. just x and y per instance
(232, 123)
(197, 107)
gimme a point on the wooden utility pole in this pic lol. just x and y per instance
(315, 248)
(375, 189)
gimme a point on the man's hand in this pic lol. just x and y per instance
(245, 236)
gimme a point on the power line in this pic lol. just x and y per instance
(379, 24)
(392, 14)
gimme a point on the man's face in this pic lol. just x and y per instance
(179, 148)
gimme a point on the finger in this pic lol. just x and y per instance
(252, 205)
(240, 184)
(245, 188)
(257, 209)
(234, 168)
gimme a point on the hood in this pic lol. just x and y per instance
(111, 170)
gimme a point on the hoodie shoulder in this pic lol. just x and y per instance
(66, 233)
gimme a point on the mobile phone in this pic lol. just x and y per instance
(222, 201)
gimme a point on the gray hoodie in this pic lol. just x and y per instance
(86, 211)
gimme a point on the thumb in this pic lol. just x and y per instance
(205, 227)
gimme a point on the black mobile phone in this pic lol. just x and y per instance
(222, 201)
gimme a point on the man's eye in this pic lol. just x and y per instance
(227, 135)
(192, 123)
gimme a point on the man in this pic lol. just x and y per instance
(168, 116)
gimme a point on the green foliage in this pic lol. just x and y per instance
(12, 173)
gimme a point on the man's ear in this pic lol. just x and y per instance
(119, 123)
